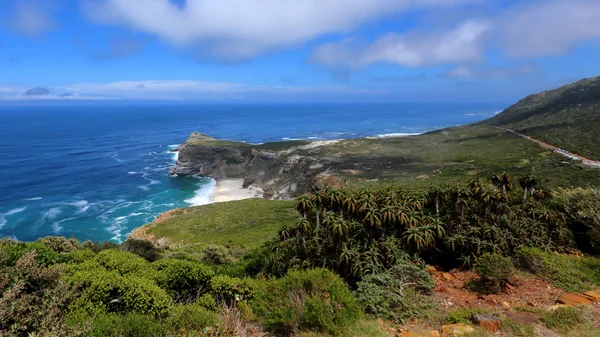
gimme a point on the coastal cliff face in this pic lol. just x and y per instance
(282, 170)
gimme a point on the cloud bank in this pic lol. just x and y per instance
(176, 90)
(538, 28)
(241, 29)
(416, 49)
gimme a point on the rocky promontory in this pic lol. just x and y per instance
(282, 170)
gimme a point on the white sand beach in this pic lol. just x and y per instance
(231, 189)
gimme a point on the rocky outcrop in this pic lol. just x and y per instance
(282, 170)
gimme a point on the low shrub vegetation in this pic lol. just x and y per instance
(351, 256)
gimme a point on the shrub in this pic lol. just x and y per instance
(310, 300)
(395, 294)
(59, 244)
(109, 291)
(231, 290)
(142, 248)
(216, 254)
(79, 256)
(570, 273)
(184, 280)
(45, 256)
(463, 315)
(189, 318)
(582, 207)
(494, 271)
(34, 301)
(122, 262)
(127, 325)
(207, 301)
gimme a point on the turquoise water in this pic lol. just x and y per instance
(98, 170)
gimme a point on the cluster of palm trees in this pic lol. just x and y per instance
(367, 231)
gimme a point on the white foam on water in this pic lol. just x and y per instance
(144, 187)
(15, 211)
(202, 195)
(53, 213)
(398, 134)
(132, 172)
(33, 199)
(56, 227)
(3, 222)
(175, 154)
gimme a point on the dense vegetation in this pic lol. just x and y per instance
(363, 232)
(567, 117)
(352, 255)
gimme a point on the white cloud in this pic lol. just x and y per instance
(487, 72)
(239, 29)
(533, 29)
(549, 27)
(32, 17)
(462, 44)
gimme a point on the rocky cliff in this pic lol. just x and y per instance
(282, 170)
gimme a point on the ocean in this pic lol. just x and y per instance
(98, 170)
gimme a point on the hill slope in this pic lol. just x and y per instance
(567, 117)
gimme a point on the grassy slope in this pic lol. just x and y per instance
(248, 223)
(568, 117)
(452, 155)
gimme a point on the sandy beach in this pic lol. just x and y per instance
(231, 189)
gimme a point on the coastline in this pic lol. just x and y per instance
(232, 189)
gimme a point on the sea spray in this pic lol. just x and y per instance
(203, 193)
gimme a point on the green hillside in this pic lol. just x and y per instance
(567, 117)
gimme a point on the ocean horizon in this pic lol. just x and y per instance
(96, 171)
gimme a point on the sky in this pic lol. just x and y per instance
(295, 50)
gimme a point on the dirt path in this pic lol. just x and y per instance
(585, 161)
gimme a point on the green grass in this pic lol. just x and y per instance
(280, 146)
(452, 155)
(246, 223)
(570, 273)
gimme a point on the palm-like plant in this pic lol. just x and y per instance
(528, 184)
(304, 204)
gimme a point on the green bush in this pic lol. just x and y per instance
(310, 300)
(109, 291)
(570, 273)
(582, 207)
(216, 254)
(463, 315)
(189, 318)
(79, 256)
(11, 253)
(127, 325)
(59, 244)
(142, 248)
(494, 271)
(231, 290)
(207, 301)
(122, 262)
(32, 299)
(396, 294)
(183, 280)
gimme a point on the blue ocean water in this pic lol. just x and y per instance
(98, 170)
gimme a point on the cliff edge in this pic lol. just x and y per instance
(282, 170)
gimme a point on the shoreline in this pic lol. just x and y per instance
(232, 189)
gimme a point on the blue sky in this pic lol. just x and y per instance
(295, 50)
